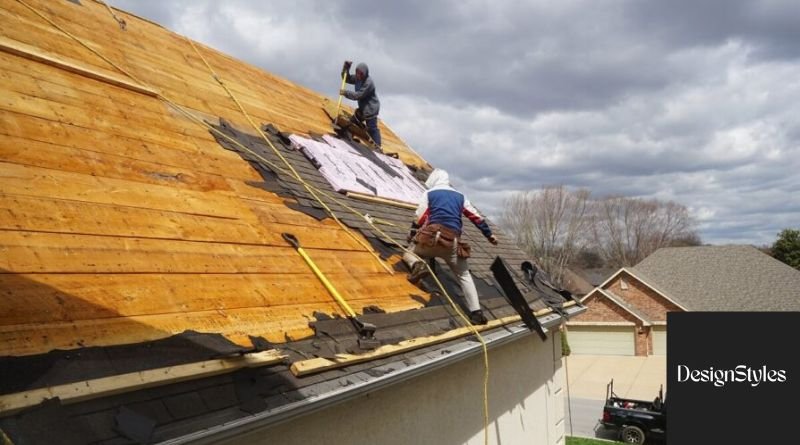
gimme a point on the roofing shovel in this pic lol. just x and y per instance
(366, 331)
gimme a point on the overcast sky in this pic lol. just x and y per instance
(687, 100)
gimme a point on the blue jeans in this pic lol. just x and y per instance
(372, 127)
(374, 132)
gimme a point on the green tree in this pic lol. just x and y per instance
(787, 247)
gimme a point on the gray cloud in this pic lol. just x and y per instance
(693, 101)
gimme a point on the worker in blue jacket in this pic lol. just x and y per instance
(437, 234)
(364, 93)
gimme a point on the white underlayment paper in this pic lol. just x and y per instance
(343, 167)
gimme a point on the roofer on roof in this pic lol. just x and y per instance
(437, 233)
(364, 93)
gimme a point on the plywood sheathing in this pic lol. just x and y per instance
(122, 221)
(166, 61)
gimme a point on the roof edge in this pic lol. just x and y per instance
(449, 354)
(630, 271)
(619, 302)
(650, 285)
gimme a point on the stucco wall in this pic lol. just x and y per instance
(445, 407)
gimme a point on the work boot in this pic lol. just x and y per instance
(418, 272)
(477, 317)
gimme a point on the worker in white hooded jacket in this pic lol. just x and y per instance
(436, 233)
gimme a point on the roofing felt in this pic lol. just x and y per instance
(722, 278)
(347, 169)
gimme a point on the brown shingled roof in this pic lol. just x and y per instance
(723, 278)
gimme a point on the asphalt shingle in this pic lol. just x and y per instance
(722, 278)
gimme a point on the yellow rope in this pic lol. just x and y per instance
(285, 161)
(120, 21)
(196, 119)
(183, 111)
(452, 304)
(4, 439)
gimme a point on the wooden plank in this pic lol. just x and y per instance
(35, 214)
(48, 83)
(287, 93)
(59, 157)
(155, 48)
(67, 84)
(32, 53)
(92, 139)
(269, 213)
(142, 45)
(319, 364)
(22, 25)
(274, 324)
(118, 384)
(33, 252)
(132, 56)
(138, 127)
(45, 298)
(74, 91)
(254, 193)
(48, 183)
(29, 103)
(173, 86)
(379, 200)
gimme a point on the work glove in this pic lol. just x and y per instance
(346, 66)
(492, 239)
(343, 92)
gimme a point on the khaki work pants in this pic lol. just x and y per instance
(458, 265)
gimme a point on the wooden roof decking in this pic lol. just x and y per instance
(122, 221)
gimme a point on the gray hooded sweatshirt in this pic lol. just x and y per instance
(364, 93)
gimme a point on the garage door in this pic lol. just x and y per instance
(659, 340)
(601, 340)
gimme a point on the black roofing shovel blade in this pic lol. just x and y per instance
(515, 297)
(366, 331)
(530, 272)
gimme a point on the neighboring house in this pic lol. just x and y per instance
(627, 313)
(596, 275)
(582, 281)
(147, 293)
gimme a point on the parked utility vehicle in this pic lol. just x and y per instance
(636, 420)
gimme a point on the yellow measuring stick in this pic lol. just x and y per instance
(291, 239)
(339, 104)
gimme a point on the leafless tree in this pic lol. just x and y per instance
(627, 230)
(549, 224)
(554, 225)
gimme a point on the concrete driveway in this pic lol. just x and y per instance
(588, 375)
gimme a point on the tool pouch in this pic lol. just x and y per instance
(437, 235)
(463, 250)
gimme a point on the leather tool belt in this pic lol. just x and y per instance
(432, 235)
